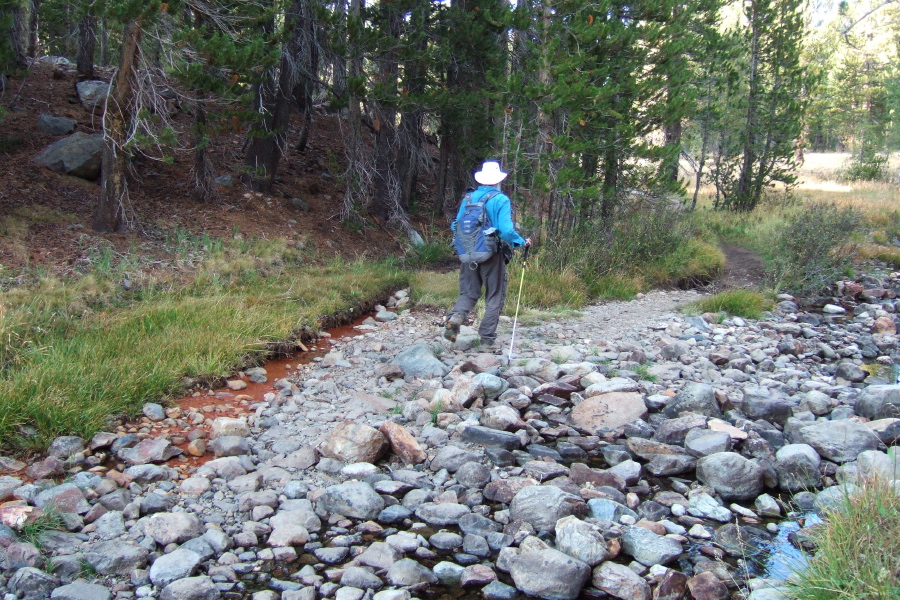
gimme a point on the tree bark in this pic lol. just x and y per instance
(202, 171)
(356, 175)
(87, 42)
(274, 98)
(109, 216)
(745, 179)
(34, 10)
(385, 196)
(307, 61)
(15, 36)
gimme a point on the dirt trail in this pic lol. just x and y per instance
(743, 269)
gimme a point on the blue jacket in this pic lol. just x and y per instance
(500, 213)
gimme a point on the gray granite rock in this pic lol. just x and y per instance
(733, 476)
(549, 574)
(357, 500)
(178, 564)
(839, 441)
(543, 506)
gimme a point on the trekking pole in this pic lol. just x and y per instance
(512, 340)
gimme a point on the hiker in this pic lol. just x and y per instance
(484, 216)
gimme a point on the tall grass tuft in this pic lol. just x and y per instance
(858, 553)
(739, 303)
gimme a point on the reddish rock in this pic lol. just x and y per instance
(851, 289)
(504, 490)
(197, 448)
(477, 575)
(884, 325)
(556, 388)
(672, 586)
(614, 546)
(403, 443)
(706, 586)
(48, 468)
(652, 526)
(581, 474)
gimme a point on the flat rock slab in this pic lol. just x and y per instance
(609, 411)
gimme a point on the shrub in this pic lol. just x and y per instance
(868, 167)
(646, 239)
(813, 248)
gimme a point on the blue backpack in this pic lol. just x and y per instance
(475, 238)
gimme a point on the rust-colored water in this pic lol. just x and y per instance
(224, 402)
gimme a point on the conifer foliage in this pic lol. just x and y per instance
(592, 106)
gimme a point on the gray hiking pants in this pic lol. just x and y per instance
(492, 275)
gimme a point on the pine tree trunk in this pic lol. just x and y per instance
(274, 99)
(385, 196)
(16, 35)
(202, 171)
(338, 60)
(744, 192)
(104, 42)
(355, 192)
(307, 61)
(87, 41)
(109, 216)
(34, 10)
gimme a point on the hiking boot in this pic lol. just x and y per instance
(488, 343)
(451, 327)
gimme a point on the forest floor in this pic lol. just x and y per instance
(45, 218)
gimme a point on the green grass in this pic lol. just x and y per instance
(77, 352)
(858, 552)
(738, 303)
(49, 520)
(644, 374)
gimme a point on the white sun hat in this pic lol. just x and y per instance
(490, 173)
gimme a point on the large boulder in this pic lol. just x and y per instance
(55, 125)
(548, 574)
(839, 441)
(698, 398)
(92, 92)
(354, 443)
(191, 588)
(733, 476)
(420, 361)
(178, 564)
(879, 402)
(620, 582)
(81, 590)
(649, 548)
(797, 466)
(116, 558)
(168, 528)
(605, 412)
(544, 505)
(581, 540)
(77, 155)
(355, 499)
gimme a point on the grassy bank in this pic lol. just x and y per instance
(78, 351)
(858, 553)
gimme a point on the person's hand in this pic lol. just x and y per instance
(527, 243)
